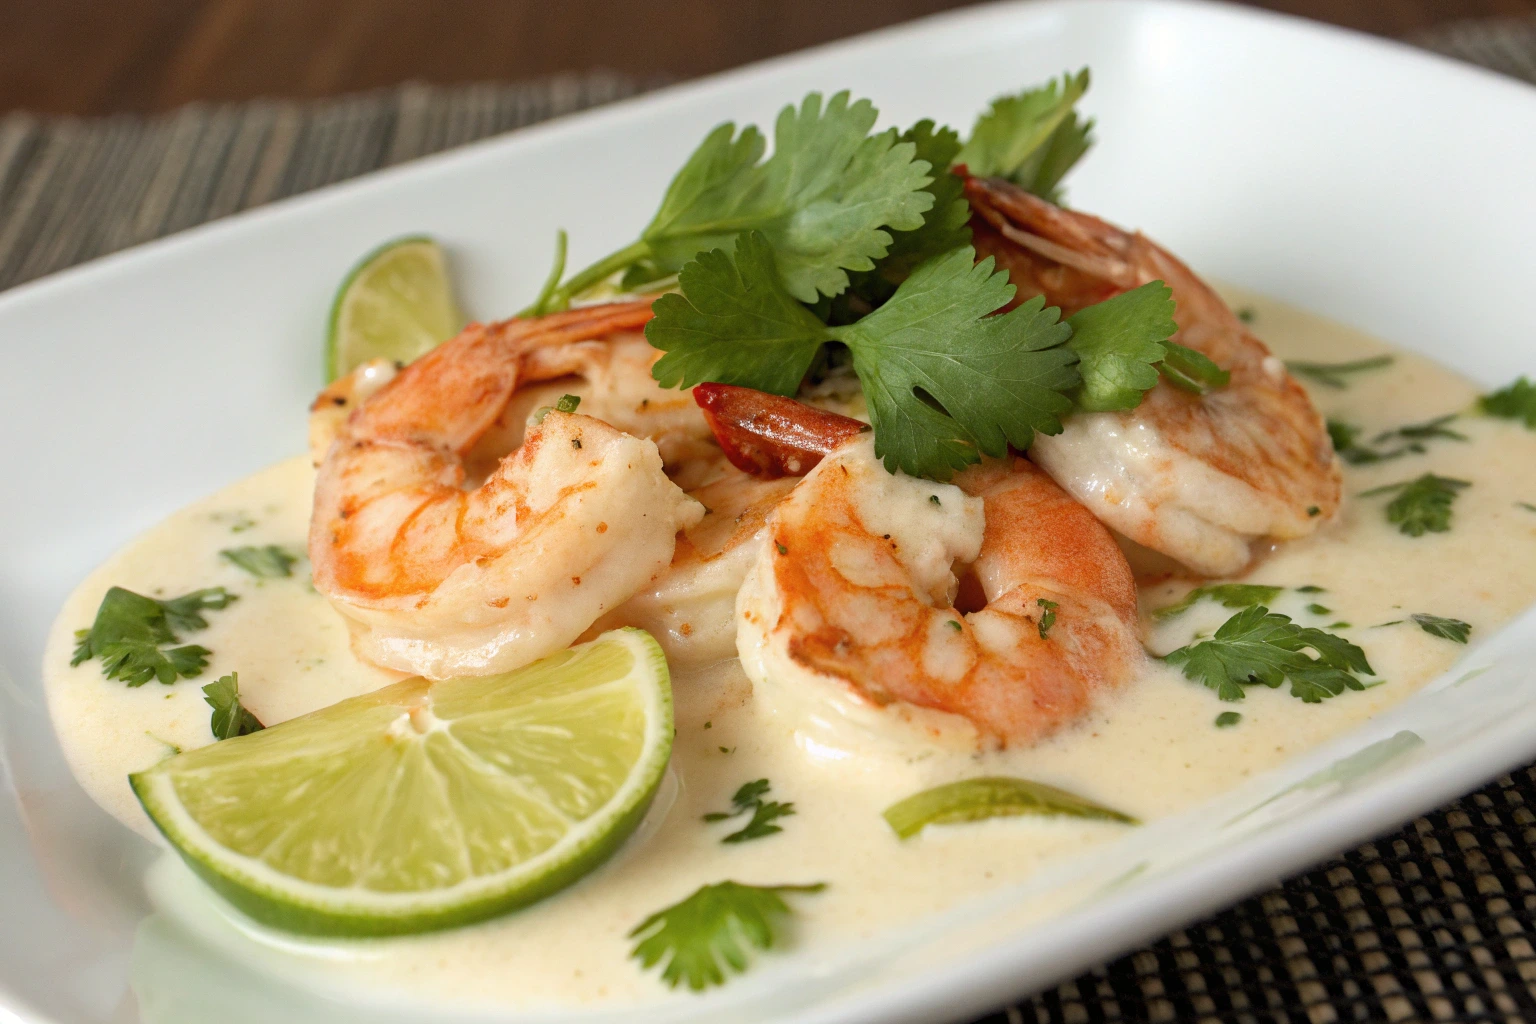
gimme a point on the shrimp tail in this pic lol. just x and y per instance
(770, 436)
(1074, 258)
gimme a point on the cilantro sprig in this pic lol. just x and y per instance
(131, 631)
(264, 561)
(698, 938)
(750, 797)
(838, 204)
(1338, 375)
(230, 717)
(946, 381)
(1422, 505)
(1447, 629)
(1516, 402)
(1260, 646)
(1031, 138)
(860, 240)
(1228, 595)
(1411, 439)
(826, 201)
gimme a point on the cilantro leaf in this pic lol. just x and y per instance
(1429, 430)
(824, 200)
(1120, 342)
(1422, 505)
(1229, 595)
(718, 923)
(734, 323)
(130, 629)
(1068, 143)
(136, 662)
(1516, 402)
(230, 717)
(945, 226)
(748, 795)
(122, 616)
(185, 612)
(1031, 138)
(1193, 371)
(1336, 375)
(1047, 617)
(1345, 438)
(1260, 646)
(1449, 629)
(267, 562)
(764, 812)
(945, 380)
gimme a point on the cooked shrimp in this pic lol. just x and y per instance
(612, 378)
(1200, 478)
(764, 443)
(441, 579)
(854, 600)
(691, 607)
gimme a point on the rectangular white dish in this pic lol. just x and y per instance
(1359, 179)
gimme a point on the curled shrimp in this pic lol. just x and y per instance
(440, 573)
(996, 600)
(1203, 478)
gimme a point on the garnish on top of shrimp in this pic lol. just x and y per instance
(1202, 478)
(995, 598)
(440, 574)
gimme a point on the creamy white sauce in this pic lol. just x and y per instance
(1152, 752)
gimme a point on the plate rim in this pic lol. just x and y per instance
(1346, 819)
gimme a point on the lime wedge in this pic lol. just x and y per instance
(395, 304)
(426, 805)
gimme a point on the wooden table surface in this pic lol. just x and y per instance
(108, 56)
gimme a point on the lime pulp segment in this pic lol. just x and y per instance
(426, 804)
(396, 303)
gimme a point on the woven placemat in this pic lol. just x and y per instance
(1432, 923)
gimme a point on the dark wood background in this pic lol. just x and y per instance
(108, 56)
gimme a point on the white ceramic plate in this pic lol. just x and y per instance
(1360, 179)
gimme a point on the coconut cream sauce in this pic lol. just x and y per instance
(1151, 751)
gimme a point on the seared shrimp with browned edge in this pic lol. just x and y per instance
(1206, 478)
(996, 599)
(446, 557)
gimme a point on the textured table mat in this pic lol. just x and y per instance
(1433, 923)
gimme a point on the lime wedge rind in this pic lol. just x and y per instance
(293, 904)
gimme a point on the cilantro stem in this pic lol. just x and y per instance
(560, 298)
(556, 270)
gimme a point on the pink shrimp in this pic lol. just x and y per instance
(1203, 479)
(997, 598)
(439, 576)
